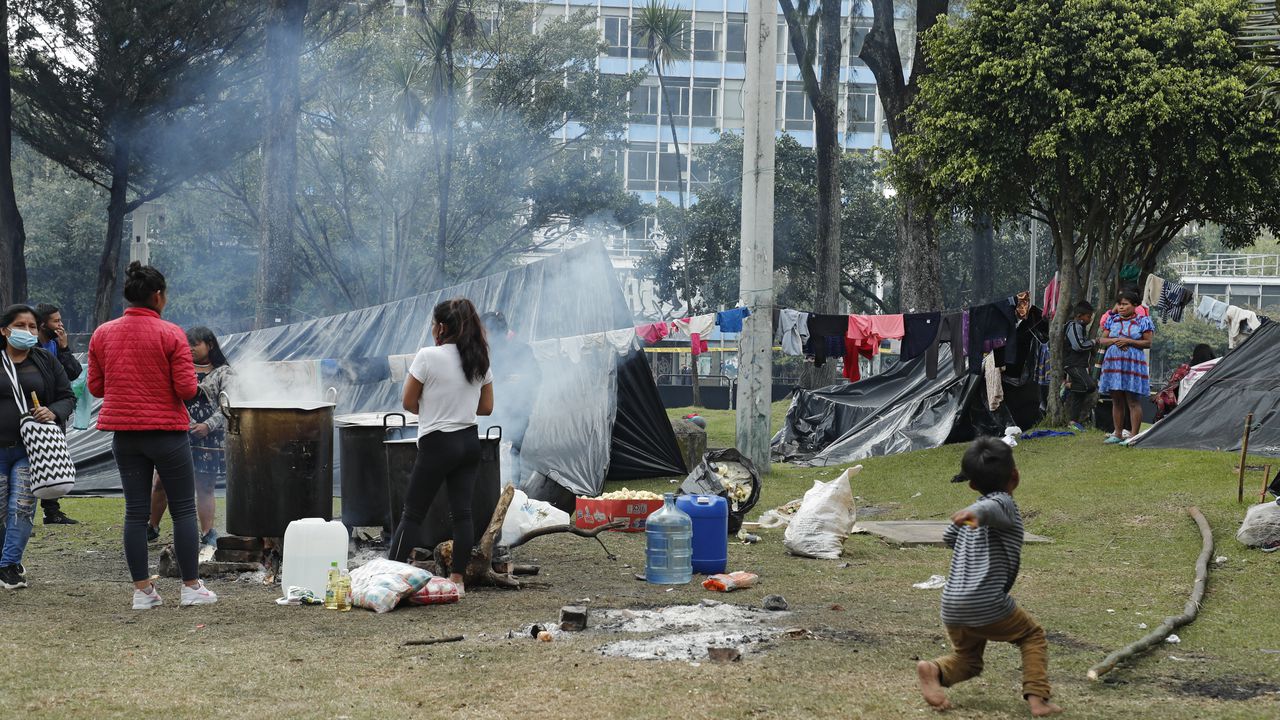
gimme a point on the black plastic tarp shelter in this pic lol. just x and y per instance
(898, 411)
(554, 304)
(1212, 415)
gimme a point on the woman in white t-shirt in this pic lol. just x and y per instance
(447, 387)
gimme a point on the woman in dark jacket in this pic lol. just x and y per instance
(39, 373)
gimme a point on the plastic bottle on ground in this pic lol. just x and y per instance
(669, 545)
(331, 588)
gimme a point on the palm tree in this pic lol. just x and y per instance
(661, 30)
(1260, 38)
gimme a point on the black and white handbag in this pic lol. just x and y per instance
(52, 473)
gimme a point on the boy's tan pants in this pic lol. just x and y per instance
(1019, 628)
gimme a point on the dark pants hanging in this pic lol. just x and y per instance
(445, 459)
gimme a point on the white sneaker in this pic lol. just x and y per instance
(146, 599)
(1126, 435)
(197, 595)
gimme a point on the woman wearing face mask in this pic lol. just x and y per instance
(447, 387)
(141, 367)
(36, 372)
(208, 435)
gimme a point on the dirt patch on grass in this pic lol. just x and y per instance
(1065, 640)
(1228, 688)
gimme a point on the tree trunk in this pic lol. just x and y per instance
(275, 285)
(684, 244)
(919, 266)
(1068, 294)
(827, 147)
(13, 237)
(109, 263)
(984, 258)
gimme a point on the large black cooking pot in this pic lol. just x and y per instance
(279, 465)
(437, 526)
(363, 467)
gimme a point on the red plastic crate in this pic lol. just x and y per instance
(590, 513)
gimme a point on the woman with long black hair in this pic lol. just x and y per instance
(141, 367)
(34, 372)
(447, 387)
(208, 435)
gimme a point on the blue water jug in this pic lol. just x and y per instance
(710, 514)
(668, 535)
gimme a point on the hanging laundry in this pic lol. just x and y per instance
(652, 333)
(1130, 273)
(919, 332)
(793, 331)
(1021, 305)
(731, 320)
(698, 329)
(992, 322)
(1213, 310)
(888, 327)
(1174, 298)
(826, 336)
(995, 388)
(1240, 324)
(852, 351)
(1042, 364)
(1153, 291)
(951, 331)
(1051, 297)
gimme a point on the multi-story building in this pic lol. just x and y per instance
(706, 94)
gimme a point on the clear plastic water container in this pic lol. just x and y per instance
(311, 546)
(710, 515)
(668, 535)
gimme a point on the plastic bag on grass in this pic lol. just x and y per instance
(729, 474)
(379, 585)
(526, 514)
(1261, 526)
(824, 520)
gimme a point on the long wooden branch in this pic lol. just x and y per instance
(1161, 633)
(617, 524)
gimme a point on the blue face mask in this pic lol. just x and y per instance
(22, 340)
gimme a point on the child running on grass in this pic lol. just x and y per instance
(976, 608)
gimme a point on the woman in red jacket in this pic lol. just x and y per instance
(141, 367)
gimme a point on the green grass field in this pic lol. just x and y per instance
(1123, 554)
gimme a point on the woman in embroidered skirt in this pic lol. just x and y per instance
(1125, 375)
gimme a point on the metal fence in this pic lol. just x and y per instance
(1229, 265)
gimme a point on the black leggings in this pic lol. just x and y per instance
(139, 455)
(449, 459)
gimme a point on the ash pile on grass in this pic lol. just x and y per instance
(684, 632)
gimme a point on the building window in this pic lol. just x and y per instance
(699, 171)
(735, 41)
(858, 29)
(617, 35)
(786, 54)
(706, 102)
(642, 165)
(706, 40)
(680, 93)
(793, 106)
(644, 103)
(670, 172)
(862, 108)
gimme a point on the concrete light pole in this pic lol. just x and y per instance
(755, 346)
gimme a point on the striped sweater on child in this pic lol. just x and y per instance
(984, 564)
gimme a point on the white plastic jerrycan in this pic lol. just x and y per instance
(310, 546)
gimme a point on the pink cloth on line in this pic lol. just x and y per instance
(887, 327)
(653, 332)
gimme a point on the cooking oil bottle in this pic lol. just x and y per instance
(344, 591)
(331, 588)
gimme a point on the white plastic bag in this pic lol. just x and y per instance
(824, 520)
(1261, 526)
(526, 514)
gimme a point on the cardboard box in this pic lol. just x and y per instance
(589, 513)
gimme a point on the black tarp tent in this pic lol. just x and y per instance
(1212, 415)
(898, 411)
(557, 304)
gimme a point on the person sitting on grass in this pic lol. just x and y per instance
(1125, 374)
(976, 607)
